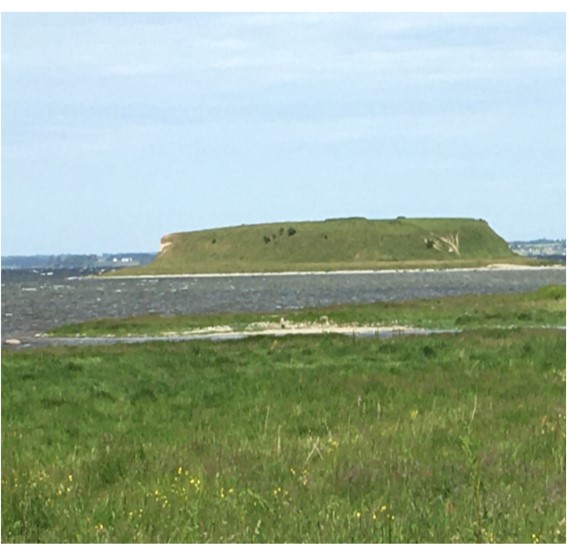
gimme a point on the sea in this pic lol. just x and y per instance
(36, 301)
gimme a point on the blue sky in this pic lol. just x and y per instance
(120, 128)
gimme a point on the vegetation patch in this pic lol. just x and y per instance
(301, 439)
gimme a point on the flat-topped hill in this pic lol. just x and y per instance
(335, 244)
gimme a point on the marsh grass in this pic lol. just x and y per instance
(544, 307)
(300, 439)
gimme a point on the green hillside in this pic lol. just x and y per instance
(338, 244)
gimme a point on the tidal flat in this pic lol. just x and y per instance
(323, 439)
(34, 303)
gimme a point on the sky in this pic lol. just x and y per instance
(120, 128)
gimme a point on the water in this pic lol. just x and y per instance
(35, 302)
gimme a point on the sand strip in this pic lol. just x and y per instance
(490, 268)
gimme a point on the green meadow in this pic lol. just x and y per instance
(449, 438)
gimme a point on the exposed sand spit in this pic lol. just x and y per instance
(285, 327)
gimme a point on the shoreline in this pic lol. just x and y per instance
(358, 332)
(384, 332)
(490, 268)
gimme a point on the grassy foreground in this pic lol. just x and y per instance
(338, 244)
(302, 439)
(544, 307)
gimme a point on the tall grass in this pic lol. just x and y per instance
(303, 439)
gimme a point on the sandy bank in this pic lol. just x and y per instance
(285, 327)
(217, 334)
(490, 268)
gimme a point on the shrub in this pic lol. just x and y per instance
(550, 293)
(266, 239)
(291, 231)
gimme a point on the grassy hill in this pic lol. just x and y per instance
(338, 244)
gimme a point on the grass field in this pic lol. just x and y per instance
(341, 244)
(301, 439)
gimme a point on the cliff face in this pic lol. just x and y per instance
(165, 242)
(351, 243)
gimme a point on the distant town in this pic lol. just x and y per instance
(546, 249)
(541, 248)
(77, 261)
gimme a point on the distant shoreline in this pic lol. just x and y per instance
(490, 268)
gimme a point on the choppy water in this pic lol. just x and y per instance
(34, 302)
